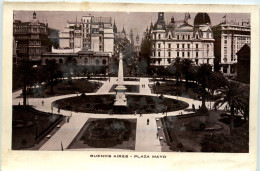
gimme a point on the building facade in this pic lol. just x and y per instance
(90, 33)
(230, 36)
(180, 39)
(30, 39)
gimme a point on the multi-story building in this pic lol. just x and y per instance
(30, 39)
(90, 33)
(229, 36)
(181, 39)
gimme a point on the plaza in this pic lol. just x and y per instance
(146, 139)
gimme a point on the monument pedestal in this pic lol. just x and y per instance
(120, 96)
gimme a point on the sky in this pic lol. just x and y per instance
(138, 21)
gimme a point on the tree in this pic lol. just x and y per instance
(27, 75)
(70, 63)
(52, 71)
(204, 73)
(177, 68)
(236, 95)
(186, 67)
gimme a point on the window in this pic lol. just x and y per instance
(197, 54)
(188, 37)
(178, 54)
(169, 54)
(225, 41)
(97, 62)
(197, 46)
(178, 45)
(197, 36)
(188, 54)
(86, 61)
(169, 36)
(104, 62)
(159, 36)
(159, 45)
(225, 50)
(183, 37)
(188, 46)
(207, 61)
(196, 61)
(183, 45)
(60, 61)
(182, 54)
(159, 54)
(178, 37)
(169, 45)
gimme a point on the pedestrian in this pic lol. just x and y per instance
(141, 114)
(135, 113)
(147, 121)
(157, 135)
(42, 103)
(193, 107)
(181, 113)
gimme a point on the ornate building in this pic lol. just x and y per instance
(230, 36)
(90, 33)
(181, 39)
(30, 39)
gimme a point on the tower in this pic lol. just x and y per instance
(114, 27)
(131, 36)
(34, 15)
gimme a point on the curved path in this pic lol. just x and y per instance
(146, 139)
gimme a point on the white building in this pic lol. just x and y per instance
(180, 39)
(91, 33)
(230, 37)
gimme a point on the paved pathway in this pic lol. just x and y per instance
(146, 139)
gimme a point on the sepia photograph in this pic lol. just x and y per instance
(176, 82)
(142, 84)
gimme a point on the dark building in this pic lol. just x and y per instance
(30, 39)
(243, 64)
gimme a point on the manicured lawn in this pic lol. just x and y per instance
(104, 104)
(63, 88)
(180, 137)
(129, 88)
(30, 125)
(170, 88)
(106, 133)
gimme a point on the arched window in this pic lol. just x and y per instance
(47, 60)
(86, 61)
(97, 62)
(104, 62)
(60, 61)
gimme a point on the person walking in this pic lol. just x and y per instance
(147, 121)
(42, 103)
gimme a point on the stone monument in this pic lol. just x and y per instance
(120, 88)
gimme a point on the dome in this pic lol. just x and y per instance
(201, 19)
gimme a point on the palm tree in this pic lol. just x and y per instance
(235, 95)
(186, 67)
(177, 68)
(204, 73)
